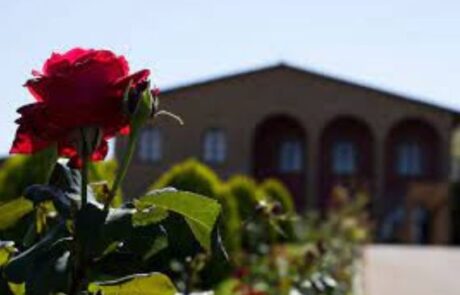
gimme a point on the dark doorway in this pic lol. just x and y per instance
(279, 151)
(346, 157)
(412, 154)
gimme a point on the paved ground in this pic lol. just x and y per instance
(408, 270)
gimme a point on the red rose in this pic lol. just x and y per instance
(80, 88)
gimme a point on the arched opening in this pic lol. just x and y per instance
(279, 151)
(412, 154)
(346, 157)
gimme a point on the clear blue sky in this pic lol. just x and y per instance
(411, 47)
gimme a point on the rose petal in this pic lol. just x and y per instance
(135, 79)
(37, 87)
(75, 54)
(59, 63)
(36, 119)
(26, 142)
(125, 130)
(101, 151)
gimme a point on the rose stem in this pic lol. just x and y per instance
(79, 249)
(127, 157)
(84, 170)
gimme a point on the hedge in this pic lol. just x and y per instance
(190, 175)
(276, 191)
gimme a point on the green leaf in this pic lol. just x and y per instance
(17, 289)
(12, 211)
(145, 241)
(149, 216)
(118, 224)
(7, 249)
(53, 267)
(110, 249)
(199, 212)
(139, 284)
(116, 228)
(19, 266)
(160, 243)
(63, 191)
(30, 236)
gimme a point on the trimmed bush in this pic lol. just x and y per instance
(244, 190)
(276, 191)
(192, 176)
(254, 228)
(231, 222)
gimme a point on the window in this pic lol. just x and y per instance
(344, 157)
(150, 145)
(214, 146)
(409, 159)
(291, 156)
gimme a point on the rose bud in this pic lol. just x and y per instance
(140, 105)
(134, 96)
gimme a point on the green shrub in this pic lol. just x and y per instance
(254, 228)
(276, 191)
(231, 222)
(244, 190)
(19, 172)
(192, 176)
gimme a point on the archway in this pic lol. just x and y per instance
(279, 151)
(346, 157)
(412, 154)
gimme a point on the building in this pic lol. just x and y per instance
(310, 130)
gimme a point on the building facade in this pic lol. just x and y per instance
(307, 129)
